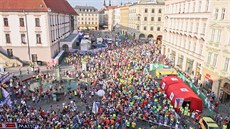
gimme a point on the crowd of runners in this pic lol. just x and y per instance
(131, 93)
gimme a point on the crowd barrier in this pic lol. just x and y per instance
(204, 98)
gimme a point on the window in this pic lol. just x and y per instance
(37, 22)
(38, 38)
(191, 27)
(159, 18)
(9, 52)
(197, 27)
(5, 21)
(8, 38)
(144, 27)
(21, 20)
(194, 6)
(145, 19)
(216, 14)
(205, 124)
(204, 27)
(209, 57)
(151, 28)
(199, 9)
(207, 5)
(222, 14)
(158, 29)
(226, 64)
(138, 27)
(194, 46)
(146, 10)
(23, 38)
(213, 34)
(186, 26)
(152, 18)
(34, 58)
(214, 60)
(159, 11)
(153, 11)
(201, 49)
(189, 44)
(229, 40)
(218, 36)
(188, 9)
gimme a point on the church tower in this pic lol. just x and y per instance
(109, 2)
(104, 3)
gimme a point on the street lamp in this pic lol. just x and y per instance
(27, 33)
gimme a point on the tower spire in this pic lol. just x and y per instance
(104, 3)
(109, 2)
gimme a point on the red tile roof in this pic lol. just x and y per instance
(20, 5)
(58, 6)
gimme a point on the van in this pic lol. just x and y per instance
(208, 123)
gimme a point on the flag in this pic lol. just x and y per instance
(6, 97)
(178, 102)
(96, 107)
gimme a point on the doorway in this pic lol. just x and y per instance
(185, 103)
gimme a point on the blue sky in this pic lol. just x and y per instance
(97, 3)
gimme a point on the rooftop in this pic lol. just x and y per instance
(70, 38)
(57, 6)
(84, 7)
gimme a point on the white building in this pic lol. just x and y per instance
(216, 68)
(116, 22)
(32, 31)
(184, 36)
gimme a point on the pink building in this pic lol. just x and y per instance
(31, 30)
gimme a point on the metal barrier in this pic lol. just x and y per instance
(204, 98)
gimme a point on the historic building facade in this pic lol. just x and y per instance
(32, 31)
(184, 34)
(124, 19)
(216, 66)
(146, 19)
(88, 18)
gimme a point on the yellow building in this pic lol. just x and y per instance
(146, 19)
(124, 19)
(216, 66)
(88, 18)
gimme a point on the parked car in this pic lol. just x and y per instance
(208, 123)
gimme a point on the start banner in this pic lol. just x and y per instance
(19, 126)
(8, 125)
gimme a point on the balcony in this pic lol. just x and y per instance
(6, 28)
(22, 28)
(213, 45)
(38, 28)
(226, 49)
(225, 74)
